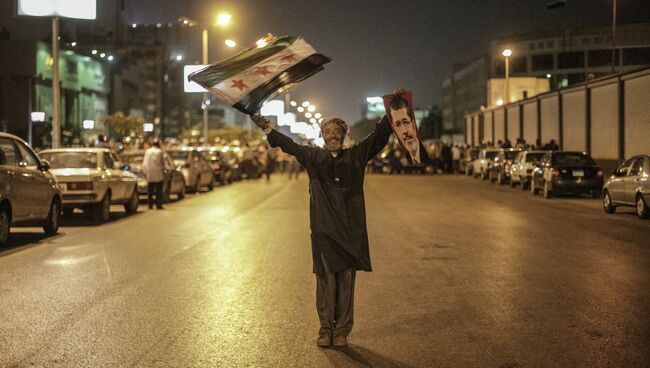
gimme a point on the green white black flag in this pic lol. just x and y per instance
(260, 73)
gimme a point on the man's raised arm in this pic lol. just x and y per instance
(286, 144)
(371, 145)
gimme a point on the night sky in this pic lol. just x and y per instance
(379, 45)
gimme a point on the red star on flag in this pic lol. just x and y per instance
(264, 70)
(290, 57)
(238, 83)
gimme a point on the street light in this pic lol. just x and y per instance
(507, 53)
(230, 43)
(221, 20)
(305, 104)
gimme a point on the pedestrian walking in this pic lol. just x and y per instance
(153, 168)
(455, 155)
(339, 239)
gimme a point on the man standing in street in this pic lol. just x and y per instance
(153, 168)
(339, 239)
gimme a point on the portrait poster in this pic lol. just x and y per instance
(399, 108)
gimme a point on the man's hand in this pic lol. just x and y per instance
(260, 121)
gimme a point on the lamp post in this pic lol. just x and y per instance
(222, 20)
(507, 53)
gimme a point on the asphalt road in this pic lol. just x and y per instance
(467, 274)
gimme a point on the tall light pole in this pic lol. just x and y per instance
(507, 53)
(614, 36)
(56, 86)
(204, 60)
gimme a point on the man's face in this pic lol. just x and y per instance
(404, 128)
(333, 136)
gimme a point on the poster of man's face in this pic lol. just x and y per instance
(399, 108)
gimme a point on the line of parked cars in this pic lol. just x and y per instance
(36, 189)
(556, 173)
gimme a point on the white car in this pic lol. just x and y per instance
(92, 179)
(482, 165)
(197, 171)
(523, 166)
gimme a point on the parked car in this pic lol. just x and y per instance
(465, 164)
(173, 180)
(481, 166)
(196, 169)
(500, 169)
(563, 172)
(522, 168)
(29, 195)
(629, 185)
(93, 179)
(221, 169)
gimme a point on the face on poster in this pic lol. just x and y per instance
(399, 108)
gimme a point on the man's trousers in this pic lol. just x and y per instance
(335, 302)
(155, 188)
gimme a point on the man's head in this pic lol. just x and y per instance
(403, 122)
(156, 143)
(333, 131)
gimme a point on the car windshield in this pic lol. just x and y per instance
(510, 155)
(71, 160)
(572, 159)
(133, 159)
(533, 157)
(179, 155)
(491, 154)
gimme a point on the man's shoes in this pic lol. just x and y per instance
(160, 208)
(324, 340)
(339, 340)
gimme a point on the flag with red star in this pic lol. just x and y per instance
(261, 73)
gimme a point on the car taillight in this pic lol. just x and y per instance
(80, 186)
(555, 173)
(599, 172)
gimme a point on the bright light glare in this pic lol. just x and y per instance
(223, 19)
(88, 124)
(308, 115)
(179, 57)
(305, 104)
(94, 52)
(110, 57)
(293, 103)
(311, 108)
(312, 120)
(230, 43)
(61, 8)
(317, 115)
(301, 109)
(134, 25)
(73, 44)
(38, 116)
(548, 76)
(507, 52)
(102, 55)
(499, 102)
(148, 127)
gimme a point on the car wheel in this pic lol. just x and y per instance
(607, 203)
(547, 190)
(642, 209)
(131, 206)
(5, 225)
(51, 225)
(181, 194)
(103, 208)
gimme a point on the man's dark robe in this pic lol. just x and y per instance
(339, 238)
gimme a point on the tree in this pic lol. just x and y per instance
(120, 125)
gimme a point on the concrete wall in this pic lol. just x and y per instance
(608, 118)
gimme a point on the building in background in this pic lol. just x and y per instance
(564, 56)
(26, 87)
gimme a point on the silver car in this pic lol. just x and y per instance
(196, 169)
(29, 195)
(629, 185)
(523, 166)
(92, 179)
(173, 181)
(483, 164)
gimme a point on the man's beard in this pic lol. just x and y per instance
(333, 146)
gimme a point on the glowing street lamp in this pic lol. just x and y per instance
(507, 53)
(223, 19)
(305, 104)
(230, 43)
(311, 108)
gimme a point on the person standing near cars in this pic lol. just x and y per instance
(153, 168)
